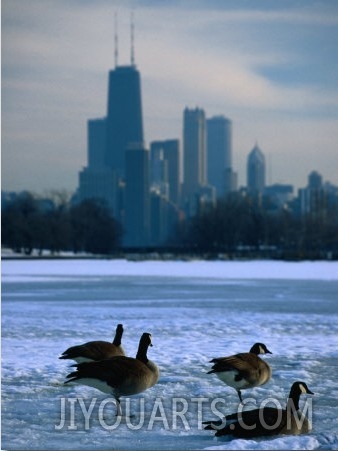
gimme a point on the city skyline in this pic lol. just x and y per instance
(55, 78)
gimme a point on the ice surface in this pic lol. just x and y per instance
(195, 311)
(286, 443)
(319, 270)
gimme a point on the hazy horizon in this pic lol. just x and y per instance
(270, 68)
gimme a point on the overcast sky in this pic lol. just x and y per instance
(271, 67)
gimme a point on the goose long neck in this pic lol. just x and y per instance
(118, 336)
(142, 353)
(293, 399)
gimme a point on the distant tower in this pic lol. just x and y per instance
(124, 109)
(313, 199)
(256, 171)
(110, 137)
(124, 116)
(158, 171)
(137, 197)
(170, 150)
(315, 180)
(96, 142)
(219, 145)
(194, 151)
(97, 181)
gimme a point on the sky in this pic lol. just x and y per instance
(270, 67)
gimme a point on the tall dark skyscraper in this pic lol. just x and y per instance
(96, 142)
(219, 145)
(194, 145)
(118, 164)
(124, 116)
(137, 197)
(97, 181)
(109, 138)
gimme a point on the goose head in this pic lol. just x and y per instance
(260, 348)
(146, 340)
(298, 388)
(118, 335)
(119, 329)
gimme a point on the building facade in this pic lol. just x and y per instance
(165, 167)
(219, 155)
(137, 197)
(313, 197)
(194, 156)
(108, 138)
(256, 171)
(124, 116)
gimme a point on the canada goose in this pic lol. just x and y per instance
(96, 350)
(267, 420)
(119, 376)
(244, 370)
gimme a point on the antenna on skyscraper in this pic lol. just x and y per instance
(116, 51)
(132, 56)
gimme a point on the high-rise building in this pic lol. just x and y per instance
(164, 216)
(158, 172)
(96, 142)
(165, 167)
(97, 181)
(194, 153)
(279, 194)
(124, 116)
(315, 181)
(99, 184)
(137, 197)
(219, 151)
(256, 171)
(111, 136)
(313, 197)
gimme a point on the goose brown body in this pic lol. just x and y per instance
(96, 350)
(267, 420)
(243, 370)
(121, 375)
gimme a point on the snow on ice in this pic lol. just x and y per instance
(195, 311)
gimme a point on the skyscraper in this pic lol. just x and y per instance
(165, 163)
(100, 185)
(111, 136)
(124, 116)
(219, 146)
(97, 181)
(256, 171)
(158, 171)
(96, 142)
(137, 197)
(194, 152)
(313, 197)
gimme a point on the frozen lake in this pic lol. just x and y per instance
(194, 311)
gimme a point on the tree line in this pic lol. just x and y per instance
(56, 225)
(240, 225)
(236, 226)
